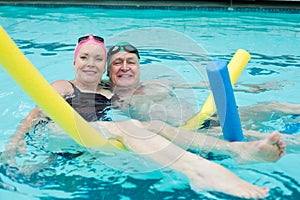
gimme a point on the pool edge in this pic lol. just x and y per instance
(159, 4)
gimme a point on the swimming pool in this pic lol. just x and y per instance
(47, 37)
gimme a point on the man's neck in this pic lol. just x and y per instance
(126, 91)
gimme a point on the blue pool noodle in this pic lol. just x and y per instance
(221, 87)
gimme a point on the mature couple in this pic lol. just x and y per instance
(164, 144)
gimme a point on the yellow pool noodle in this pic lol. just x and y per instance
(43, 94)
(235, 68)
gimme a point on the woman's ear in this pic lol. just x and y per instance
(74, 65)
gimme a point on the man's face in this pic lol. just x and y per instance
(124, 70)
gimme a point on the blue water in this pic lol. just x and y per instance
(181, 43)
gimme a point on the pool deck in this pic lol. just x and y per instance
(295, 4)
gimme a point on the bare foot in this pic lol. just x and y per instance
(269, 149)
(211, 176)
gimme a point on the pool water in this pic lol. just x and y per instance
(180, 43)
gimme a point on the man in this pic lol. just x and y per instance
(158, 96)
(161, 102)
(154, 100)
(131, 95)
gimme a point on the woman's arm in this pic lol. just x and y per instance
(16, 142)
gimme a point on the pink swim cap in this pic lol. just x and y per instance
(89, 39)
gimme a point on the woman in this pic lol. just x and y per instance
(91, 100)
(84, 92)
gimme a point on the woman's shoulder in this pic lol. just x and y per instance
(63, 87)
(59, 82)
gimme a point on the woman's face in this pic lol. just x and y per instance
(90, 63)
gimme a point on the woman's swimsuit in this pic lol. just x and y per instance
(91, 106)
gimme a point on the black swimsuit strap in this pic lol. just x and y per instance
(76, 90)
(91, 106)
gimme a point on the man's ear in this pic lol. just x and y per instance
(107, 74)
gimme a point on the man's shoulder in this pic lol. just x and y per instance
(156, 86)
(159, 82)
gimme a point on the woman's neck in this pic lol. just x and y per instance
(86, 87)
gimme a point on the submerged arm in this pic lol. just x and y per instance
(239, 87)
(16, 142)
(262, 87)
(191, 85)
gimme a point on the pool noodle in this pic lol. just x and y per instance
(44, 95)
(235, 68)
(221, 87)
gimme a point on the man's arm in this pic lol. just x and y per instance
(238, 87)
(192, 85)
